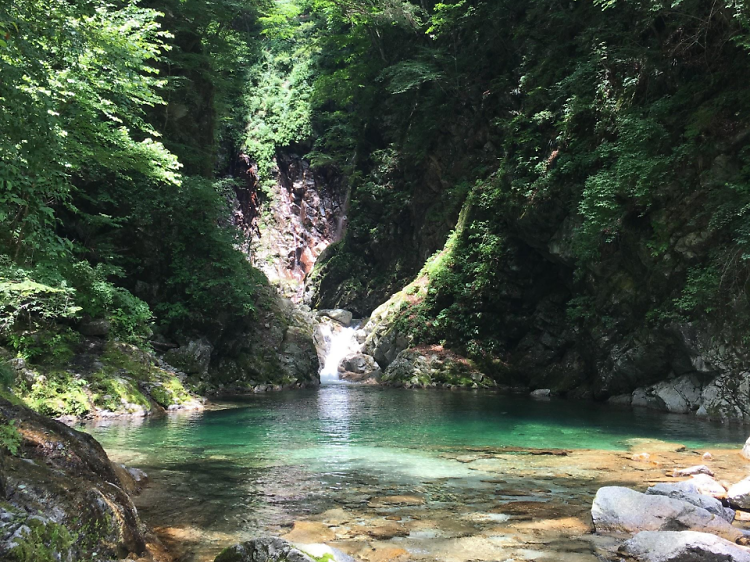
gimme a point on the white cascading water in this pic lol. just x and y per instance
(342, 343)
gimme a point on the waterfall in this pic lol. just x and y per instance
(342, 343)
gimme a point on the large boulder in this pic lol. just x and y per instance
(432, 366)
(689, 491)
(680, 395)
(61, 488)
(684, 546)
(343, 317)
(727, 397)
(359, 363)
(263, 550)
(622, 510)
(298, 355)
(192, 358)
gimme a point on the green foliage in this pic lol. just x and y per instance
(23, 299)
(58, 393)
(278, 93)
(130, 317)
(10, 437)
(97, 55)
(52, 347)
(7, 375)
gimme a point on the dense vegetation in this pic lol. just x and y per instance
(598, 151)
(581, 166)
(113, 119)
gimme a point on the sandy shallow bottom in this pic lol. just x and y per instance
(483, 504)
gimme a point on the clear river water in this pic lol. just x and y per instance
(256, 465)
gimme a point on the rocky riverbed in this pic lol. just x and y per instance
(502, 503)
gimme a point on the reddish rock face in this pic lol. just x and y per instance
(303, 215)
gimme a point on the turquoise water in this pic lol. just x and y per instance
(268, 458)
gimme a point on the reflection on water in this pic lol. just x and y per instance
(230, 474)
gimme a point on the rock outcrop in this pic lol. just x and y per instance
(433, 366)
(61, 496)
(307, 213)
(274, 348)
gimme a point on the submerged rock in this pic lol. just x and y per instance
(263, 550)
(693, 470)
(682, 546)
(622, 510)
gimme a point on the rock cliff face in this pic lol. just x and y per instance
(274, 347)
(305, 213)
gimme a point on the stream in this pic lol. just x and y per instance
(388, 474)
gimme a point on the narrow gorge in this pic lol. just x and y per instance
(374, 281)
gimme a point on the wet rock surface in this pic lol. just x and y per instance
(60, 496)
(306, 214)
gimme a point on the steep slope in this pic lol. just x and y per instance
(598, 154)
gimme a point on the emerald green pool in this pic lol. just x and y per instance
(262, 461)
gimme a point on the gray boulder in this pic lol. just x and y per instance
(192, 358)
(689, 491)
(622, 510)
(680, 395)
(541, 393)
(359, 363)
(263, 550)
(684, 546)
(343, 317)
(738, 495)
